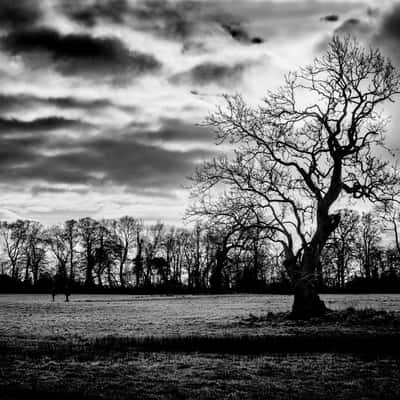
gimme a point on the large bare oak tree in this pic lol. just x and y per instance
(318, 138)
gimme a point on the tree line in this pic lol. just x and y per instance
(363, 253)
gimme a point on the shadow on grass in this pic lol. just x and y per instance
(18, 393)
(349, 317)
(244, 344)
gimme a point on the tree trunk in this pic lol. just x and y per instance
(121, 274)
(307, 302)
(216, 273)
(26, 279)
(99, 280)
(71, 268)
(138, 260)
(109, 274)
(35, 273)
(89, 282)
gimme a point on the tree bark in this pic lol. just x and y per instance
(121, 274)
(307, 303)
(89, 282)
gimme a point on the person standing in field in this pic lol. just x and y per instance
(60, 286)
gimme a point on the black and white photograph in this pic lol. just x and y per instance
(199, 199)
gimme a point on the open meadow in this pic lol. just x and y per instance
(95, 316)
(203, 347)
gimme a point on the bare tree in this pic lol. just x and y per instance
(138, 260)
(369, 236)
(88, 230)
(56, 239)
(125, 229)
(108, 250)
(71, 236)
(310, 142)
(35, 248)
(341, 246)
(152, 245)
(14, 238)
(389, 213)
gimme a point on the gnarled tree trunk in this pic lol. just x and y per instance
(307, 302)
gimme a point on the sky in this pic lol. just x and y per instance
(102, 101)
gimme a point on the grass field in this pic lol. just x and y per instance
(196, 347)
(97, 315)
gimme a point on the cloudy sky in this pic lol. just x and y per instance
(99, 99)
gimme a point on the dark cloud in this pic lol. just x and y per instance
(171, 19)
(10, 103)
(98, 161)
(257, 40)
(75, 54)
(19, 13)
(355, 27)
(237, 32)
(40, 189)
(390, 26)
(331, 18)
(204, 74)
(39, 125)
(387, 36)
(184, 19)
(168, 19)
(17, 151)
(89, 15)
(21, 102)
(176, 130)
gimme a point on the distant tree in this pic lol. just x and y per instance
(56, 238)
(195, 275)
(138, 260)
(369, 236)
(152, 245)
(71, 236)
(14, 239)
(392, 263)
(125, 230)
(389, 214)
(108, 253)
(88, 231)
(35, 248)
(341, 246)
(310, 142)
(172, 244)
(225, 240)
